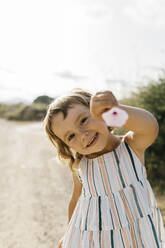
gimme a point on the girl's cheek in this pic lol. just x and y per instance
(91, 122)
(75, 143)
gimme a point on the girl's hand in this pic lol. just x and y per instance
(101, 102)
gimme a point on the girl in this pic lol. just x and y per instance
(112, 204)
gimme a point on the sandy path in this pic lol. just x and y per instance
(33, 195)
(34, 188)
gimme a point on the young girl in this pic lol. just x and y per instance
(112, 204)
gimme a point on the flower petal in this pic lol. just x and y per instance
(115, 117)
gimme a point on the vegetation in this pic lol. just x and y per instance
(24, 112)
(43, 99)
(150, 97)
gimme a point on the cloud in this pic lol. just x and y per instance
(9, 87)
(116, 81)
(97, 9)
(70, 75)
(3, 87)
(146, 12)
(99, 12)
(5, 69)
(121, 88)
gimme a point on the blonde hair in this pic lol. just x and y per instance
(62, 104)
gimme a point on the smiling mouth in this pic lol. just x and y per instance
(92, 141)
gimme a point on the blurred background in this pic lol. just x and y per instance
(47, 48)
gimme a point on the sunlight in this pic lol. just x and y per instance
(92, 40)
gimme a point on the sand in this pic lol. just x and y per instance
(34, 188)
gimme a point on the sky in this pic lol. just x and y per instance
(48, 47)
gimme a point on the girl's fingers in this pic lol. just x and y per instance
(101, 102)
(102, 95)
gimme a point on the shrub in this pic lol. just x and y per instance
(24, 112)
(152, 98)
(43, 99)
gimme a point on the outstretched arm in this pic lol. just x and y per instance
(142, 123)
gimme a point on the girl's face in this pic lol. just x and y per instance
(80, 131)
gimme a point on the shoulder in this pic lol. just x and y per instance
(143, 138)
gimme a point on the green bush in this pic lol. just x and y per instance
(8, 109)
(152, 98)
(23, 112)
(43, 99)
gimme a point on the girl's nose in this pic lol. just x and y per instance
(84, 135)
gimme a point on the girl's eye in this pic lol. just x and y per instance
(84, 120)
(71, 136)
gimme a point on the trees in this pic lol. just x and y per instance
(43, 99)
(26, 112)
(152, 98)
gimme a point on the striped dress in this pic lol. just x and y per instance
(117, 207)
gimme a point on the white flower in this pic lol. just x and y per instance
(115, 117)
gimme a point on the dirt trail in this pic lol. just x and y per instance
(33, 195)
(34, 188)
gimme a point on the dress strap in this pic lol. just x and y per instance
(131, 156)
